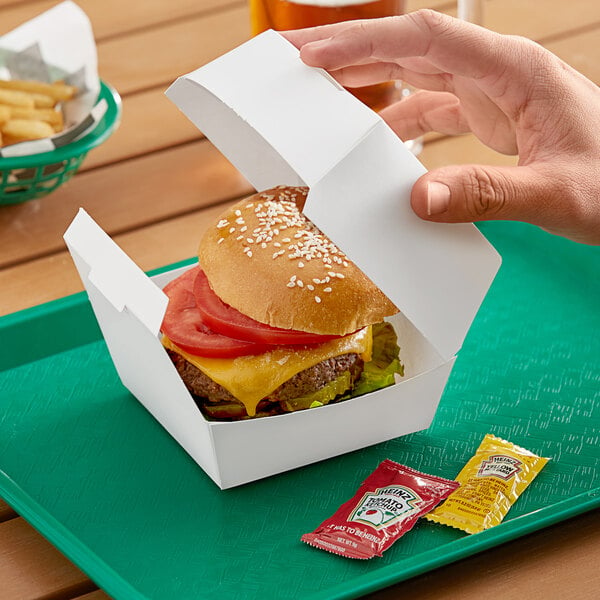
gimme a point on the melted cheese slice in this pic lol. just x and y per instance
(251, 378)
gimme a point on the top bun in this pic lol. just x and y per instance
(268, 261)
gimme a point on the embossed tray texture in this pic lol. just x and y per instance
(88, 466)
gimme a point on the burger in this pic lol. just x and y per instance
(275, 318)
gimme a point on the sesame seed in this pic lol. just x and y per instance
(291, 284)
(310, 287)
(250, 240)
(231, 229)
(249, 253)
(300, 283)
(222, 223)
(317, 299)
(293, 278)
(327, 289)
(239, 237)
(238, 213)
(300, 264)
(220, 240)
(263, 245)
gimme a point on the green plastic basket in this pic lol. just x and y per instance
(24, 178)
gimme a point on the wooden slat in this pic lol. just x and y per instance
(122, 197)
(164, 53)
(539, 19)
(6, 512)
(460, 150)
(112, 17)
(581, 51)
(4, 3)
(188, 178)
(441, 5)
(150, 121)
(23, 551)
(55, 276)
(97, 595)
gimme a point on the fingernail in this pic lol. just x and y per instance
(438, 198)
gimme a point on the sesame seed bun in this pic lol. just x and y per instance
(268, 261)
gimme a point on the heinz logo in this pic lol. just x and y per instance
(385, 506)
(500, 465)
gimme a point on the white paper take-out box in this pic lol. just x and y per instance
(281, 122)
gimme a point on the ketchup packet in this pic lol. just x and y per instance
(385, 507)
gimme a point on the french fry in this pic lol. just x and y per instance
(49, 115)
(59, 91)
(43, 101)
(5, 113)
(22, 130)
(16, 98)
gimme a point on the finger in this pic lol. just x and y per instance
(423, 33)
(450, 45)
(299, 37)
(369, 74)
(422, 112)
(461, 194)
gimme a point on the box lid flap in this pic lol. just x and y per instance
(129, 308)
(282, 122)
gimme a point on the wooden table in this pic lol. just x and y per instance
(157, 178)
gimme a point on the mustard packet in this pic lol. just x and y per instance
(490, 483)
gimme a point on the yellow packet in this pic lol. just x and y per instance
(490, 484)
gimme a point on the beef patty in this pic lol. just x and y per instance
(209, 394)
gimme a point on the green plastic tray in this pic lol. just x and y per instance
(84, 462)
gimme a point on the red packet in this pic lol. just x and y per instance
(385, 507)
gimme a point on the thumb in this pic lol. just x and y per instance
(461, 194)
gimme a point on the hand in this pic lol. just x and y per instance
(512, 94)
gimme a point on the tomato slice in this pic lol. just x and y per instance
(226, 320)
(184, 325)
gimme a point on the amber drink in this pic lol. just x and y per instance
(281, 15)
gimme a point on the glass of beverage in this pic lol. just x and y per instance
(297, 14)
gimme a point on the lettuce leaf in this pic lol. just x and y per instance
(377, 374)
(321, 396)
(384, 364)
